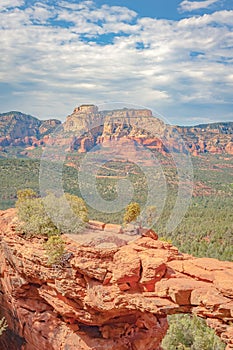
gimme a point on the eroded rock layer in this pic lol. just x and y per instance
(87, 127)
(106, 298)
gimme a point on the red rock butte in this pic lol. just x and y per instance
(87, 127)
(106, 298)
(88, 108)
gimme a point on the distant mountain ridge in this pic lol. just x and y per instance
(19, 129)
(223, 126)
(87, 126)
(208, 138)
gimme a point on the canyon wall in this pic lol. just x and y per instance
(19, 129)
(105, 297)
(87, 127)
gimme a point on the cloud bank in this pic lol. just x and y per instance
(54, 57)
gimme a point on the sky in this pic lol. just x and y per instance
(172, 56)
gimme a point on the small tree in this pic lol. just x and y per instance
(131, 213)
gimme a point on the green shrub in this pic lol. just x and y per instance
(68, 212)
(50, 215)
(190, 333)
(166, 240)
(33, 218)
(131, 213)
(28, 193)
(55, 249)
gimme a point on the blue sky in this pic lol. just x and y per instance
(172, 56)
(167, 9)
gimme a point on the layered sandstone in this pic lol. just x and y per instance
(208, 138)
(88, 127)
(18, 129)
(113, 297)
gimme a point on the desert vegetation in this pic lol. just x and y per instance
(132, 212)
(206, 229)
(55, 249)
(50, 215)
(190, 333)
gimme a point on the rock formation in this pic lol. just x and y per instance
(106, 298)
(87, 127)
(208, 138)
(18, 129)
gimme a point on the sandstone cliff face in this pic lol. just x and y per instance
(209, 138)
(99, 127)
(106, 298)
(87, 127)
(130, 123)
(48, 126)
(18, 129)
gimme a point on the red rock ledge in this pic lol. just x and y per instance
(106, 298)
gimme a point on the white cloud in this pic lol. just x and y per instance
(5, 4)
(189, 6)
(159, 63)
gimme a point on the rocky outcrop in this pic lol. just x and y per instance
(91, 127)
(208, 138)
(106, 298)
(87, 127)
(119, 128)
(18, 129)
(99, 127)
